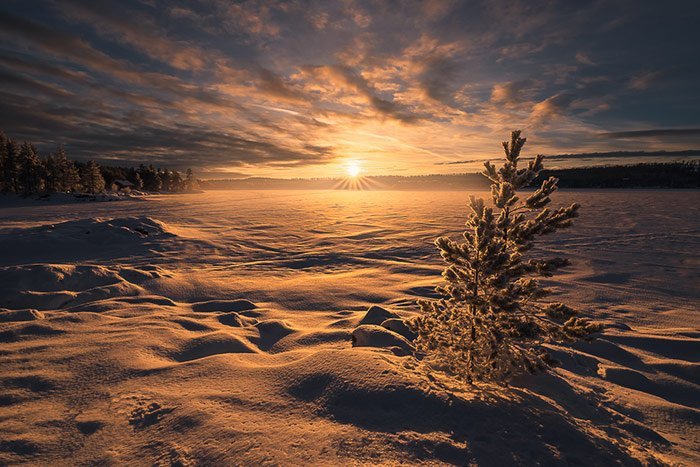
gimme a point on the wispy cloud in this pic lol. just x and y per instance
(296, 88)
(654, 133)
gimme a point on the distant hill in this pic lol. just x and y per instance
(650, 175)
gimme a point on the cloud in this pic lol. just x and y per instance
(592, 156)
(584, 59)
(286, 88)
(43, 68)
(250, 16)
(29, 85)
(272, 84)
(617, 155)
(551, 107)
(644, 80)
(466, 161)
(53, 41)
(513, 92)
(654, 133)
(144, 35)
(341, 76)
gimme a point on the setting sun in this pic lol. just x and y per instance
(353, 169)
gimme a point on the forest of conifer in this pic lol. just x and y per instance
(24, 171)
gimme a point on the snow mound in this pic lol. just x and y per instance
(232, 319)
(399, 326)
(212, 344)
(370, 335)
(86, 239)
(377, 315)
(32, 330)
(106, 230)
(56, 277)
(61, 286)
(8, 316)
(272, 331)
(224, 306)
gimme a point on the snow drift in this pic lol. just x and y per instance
(143, 341)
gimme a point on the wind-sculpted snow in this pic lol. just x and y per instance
(270, 328)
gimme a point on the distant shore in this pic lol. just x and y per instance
(650, 175)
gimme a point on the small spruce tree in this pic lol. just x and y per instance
(92, 179)
(70, 176)
(3, 161)
(494, 320)
(63, 179)
(190, 181)
(11, 167)
(138, 183)
(31, 170)
(52, 175)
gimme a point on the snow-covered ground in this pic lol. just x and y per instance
(215, 329)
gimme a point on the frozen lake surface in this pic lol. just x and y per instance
(215, 327)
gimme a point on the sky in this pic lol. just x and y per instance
(308, 88)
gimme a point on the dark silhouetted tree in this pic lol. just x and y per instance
(92, 179)
(3, 161)
(138, 183)
(52, 174)
(164, 177)
(31, 169)
(494, 320)
(151, 180)
(190, 182)
(22, 170)
(67, 171)
(10, 173)
(176, 182)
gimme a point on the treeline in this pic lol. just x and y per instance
(646, 175)
(684, 174)
(24, 171)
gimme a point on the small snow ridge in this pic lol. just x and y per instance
(272, 331)
(9, 316)
(400, 327)
(85, 239)
(148, 414)
(370, 335)
(212, 344)
(232, 319)
(377, 315)
(111, 228)
(63, 286)
(225, 306)
(55, 277)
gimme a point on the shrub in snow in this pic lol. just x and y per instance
(493, 319)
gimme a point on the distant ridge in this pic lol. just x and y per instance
(650, 175)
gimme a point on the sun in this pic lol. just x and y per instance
(353, 169)
(355, 178)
